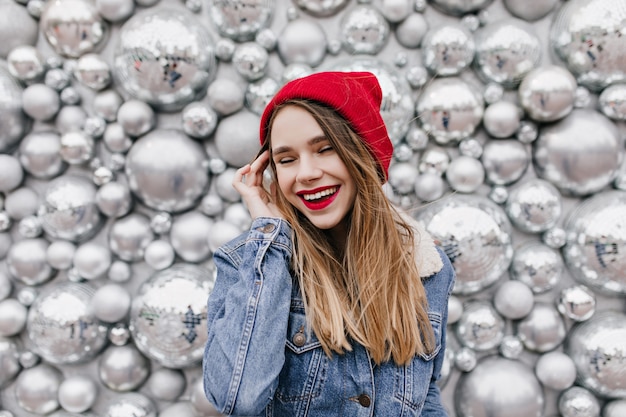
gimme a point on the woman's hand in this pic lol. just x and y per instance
(248, 181)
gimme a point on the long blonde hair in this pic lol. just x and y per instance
(371, 292)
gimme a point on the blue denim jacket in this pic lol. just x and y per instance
(260, 361)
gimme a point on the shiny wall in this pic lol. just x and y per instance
(122, 123)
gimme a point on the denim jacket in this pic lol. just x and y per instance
(259, 360)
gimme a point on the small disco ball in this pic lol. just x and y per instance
(168, 316)
(62, 327)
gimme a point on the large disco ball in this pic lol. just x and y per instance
(596, 242)
(580, 154)
(73, 27)
(598, 348)
(450, 109)
(499, 387)
(396, 108)
(165, 58)
(62, 327)
(167, 170)
(168, 315)
(588, 36)
(476, 235)
(13, 122)
(68, 209)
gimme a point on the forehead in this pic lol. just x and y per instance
(293, 124)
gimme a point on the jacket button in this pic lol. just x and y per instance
(365, 400)
(268, 228)
(299, 339)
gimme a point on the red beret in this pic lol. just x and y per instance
(355, 95)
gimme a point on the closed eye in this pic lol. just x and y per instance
(326, 149)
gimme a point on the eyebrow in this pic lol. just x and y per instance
(311, 142)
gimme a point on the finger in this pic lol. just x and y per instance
(240, 174)
(261, 162)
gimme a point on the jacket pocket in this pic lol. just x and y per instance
(412, 381)
(304, 371)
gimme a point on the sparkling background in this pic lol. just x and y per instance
(121, 124)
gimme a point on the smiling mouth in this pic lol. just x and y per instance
(320, 195)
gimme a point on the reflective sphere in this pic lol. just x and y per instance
(40, 102)
(501, 119)
(11, 173)
(411, 31)
(159, 254)
(449, 109)
(189, 236)
(302, 41)
(543, 329)
(237, 138)
(130, 404)
(170, 304)
(448, 49)
(548, 93)
(115, 10)
(73, 27)
(505, 161)
(535, 206)
(597, 348)
(77, 393)
(513, 299)
(178, 409)
(167, 170)
(21, 203)
(499, 387)
(506, 51)
(62, 327)
(612, 101)
(114, 199)
(465, 359)
(429, 187)
(475, 234)
(12, 317)
(556, 370)
(199, 402)
(460, 7)
(240, 20)
(465, 174)
(259, 93)
(9, 363)
(321, 8)
(434, 160)
(578, 401)
(111, 303)
(92, 71)
(129, 237)
(91, 260)
(397, 104)
(17, 27)
(77, 147)
(199, 120)
(577, 302)
(587, 36)
(60, 254)
(68, 210)
(363, 30)
(166, 384)
(225, 96)
(26, 261)
(402, 177)
(26, 63)
(585, 139)
(596, 236)
(614, 408)
(36, 389)
(40, 154)
(480, 328)
(511, 347)
(165, 58)
(123, 368)
(538, 266)
(13, 122)
(250, 60)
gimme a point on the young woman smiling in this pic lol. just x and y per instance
(334, 303)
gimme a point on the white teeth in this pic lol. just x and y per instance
(316, 196)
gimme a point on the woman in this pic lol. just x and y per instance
(333, 304)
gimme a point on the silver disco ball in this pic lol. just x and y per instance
(476, 235)
(62, 327)
(588, 36)
(168, 315)
(165, 58)
(597, 347)
(596, 233)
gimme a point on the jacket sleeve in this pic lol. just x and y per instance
(433, 406)
(247, 317)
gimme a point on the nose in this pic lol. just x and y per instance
(308, 170)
